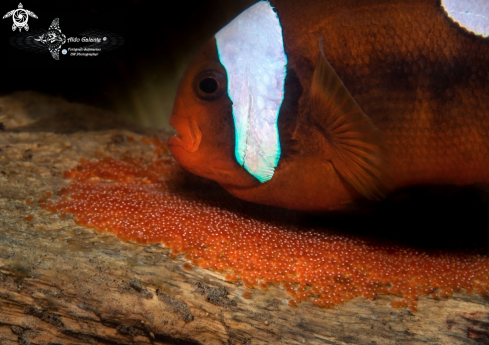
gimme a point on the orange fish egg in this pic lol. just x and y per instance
(135, 201)
(231, 277)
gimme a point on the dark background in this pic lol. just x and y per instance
(138, 80)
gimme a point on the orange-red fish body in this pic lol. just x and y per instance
(421, 80)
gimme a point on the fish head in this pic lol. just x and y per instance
(202, 116)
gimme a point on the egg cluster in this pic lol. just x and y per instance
(133, 200)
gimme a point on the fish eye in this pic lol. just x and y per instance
(209, 85)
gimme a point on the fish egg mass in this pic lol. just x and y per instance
(134, 201)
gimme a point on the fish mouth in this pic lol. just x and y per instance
(189, 135)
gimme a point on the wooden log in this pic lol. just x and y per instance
(61, 283)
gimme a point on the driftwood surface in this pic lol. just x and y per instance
(61, 283)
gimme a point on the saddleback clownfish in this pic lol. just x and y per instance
(315, 104)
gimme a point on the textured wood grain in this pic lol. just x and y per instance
(65, 284)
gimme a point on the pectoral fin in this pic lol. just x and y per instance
(357, 151)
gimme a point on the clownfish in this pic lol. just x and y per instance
(316, 104)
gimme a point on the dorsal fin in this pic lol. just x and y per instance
(357, 151)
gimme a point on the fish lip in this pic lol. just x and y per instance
(175, 140)
(188, 134)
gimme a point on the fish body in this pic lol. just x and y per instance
(377, 96)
